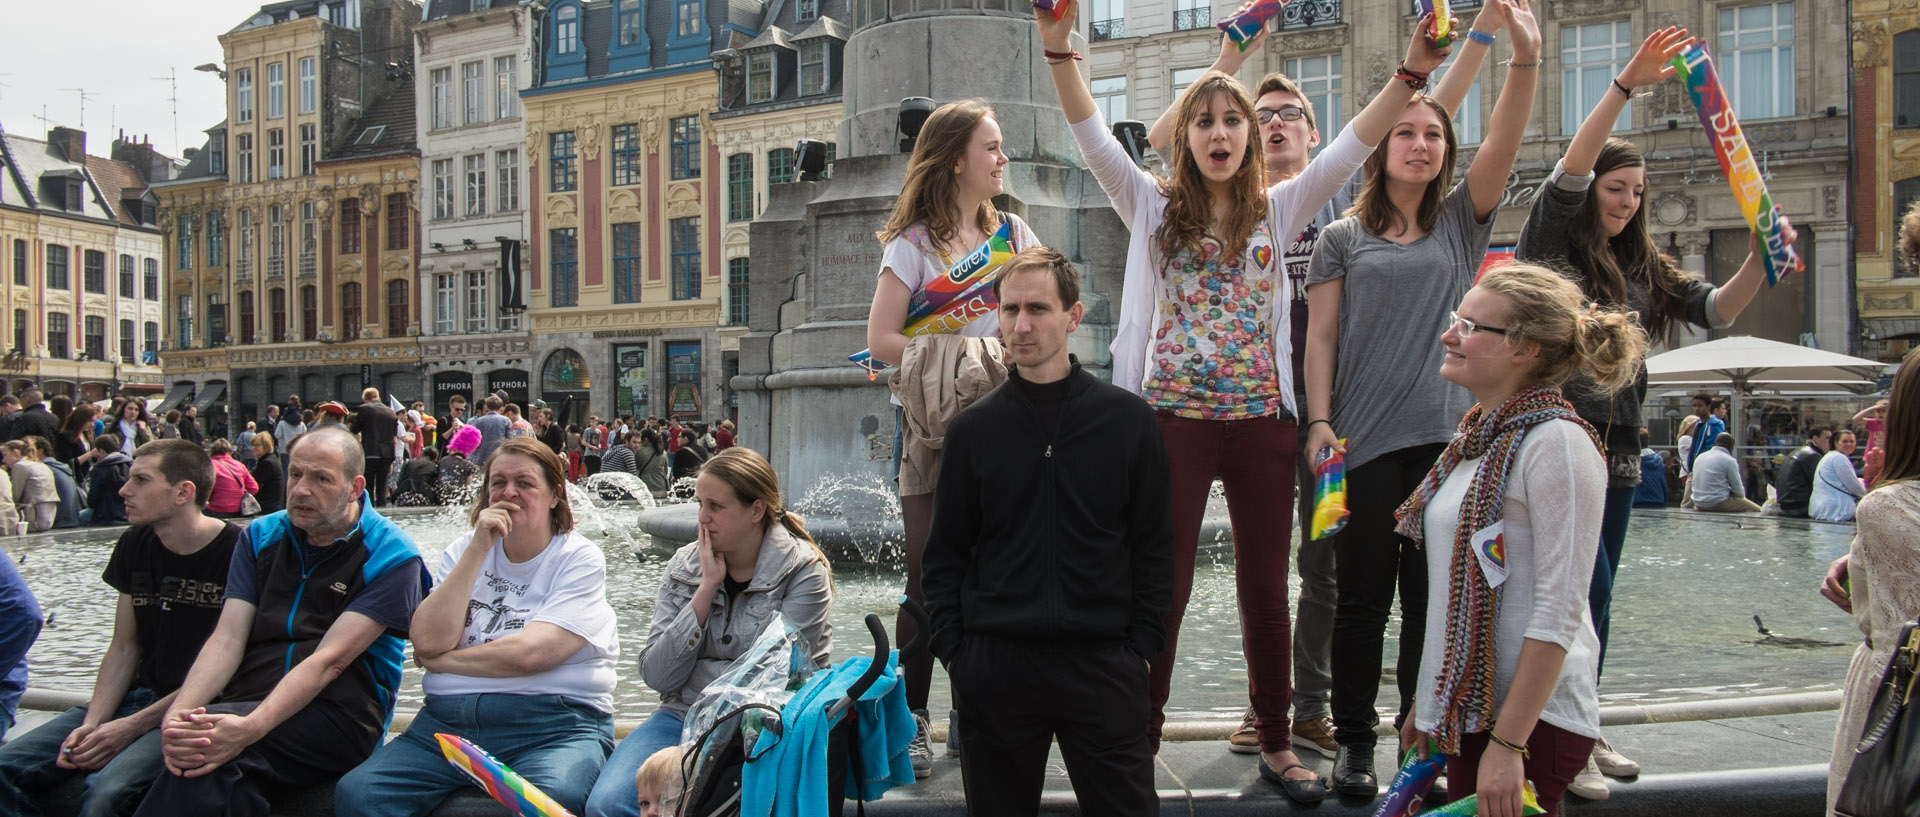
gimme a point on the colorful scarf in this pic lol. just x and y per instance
(1466, 685)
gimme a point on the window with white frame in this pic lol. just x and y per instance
(243, 94)
(1110, 96)
(1466, 121)
(473, 83)
(276, 154)
(507, 165)
(276, 241)
(631, 22)
(809, 9)
(309, 86)
(309, 149)
(276, 90)
(759, 77)
(443, 188)
(1590, 57)
(1183, 78)
(814, 76)
(309, 238)
(1755, 59)
(442, 97)
(1321, 80)
(567, 33)
(476, 301)
(476, 172)
(243, 240)
(506, 91)
(446, 303)
(243, 158)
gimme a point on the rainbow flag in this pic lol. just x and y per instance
(948, 303)
(1330, 493)
(1442, 34)
(1058, 7)
(521, 798)
(1736, 160)
(1243, 27)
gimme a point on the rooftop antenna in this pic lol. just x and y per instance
(84, 96)
(173, 98)
(45, 122)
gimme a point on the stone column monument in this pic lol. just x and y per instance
(815, 258)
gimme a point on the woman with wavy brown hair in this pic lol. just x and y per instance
(944, 212)
(1203, 336)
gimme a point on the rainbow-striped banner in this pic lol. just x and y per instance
(521, 798)
(948, 303)
(1736, 160)
(1441, 35)
(1243, 27)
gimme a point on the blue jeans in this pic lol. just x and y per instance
(554, 743)
(1613, 539)
(615, 795)
(27, 768)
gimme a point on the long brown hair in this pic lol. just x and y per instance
(1375, 208)
(560, 516)
(1610, 264)
(1903, 426)
(751, 478)
(1189, 211)
(927, 194)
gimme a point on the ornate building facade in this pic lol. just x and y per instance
(1886, 172)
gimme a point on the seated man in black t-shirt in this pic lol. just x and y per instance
(171, 570)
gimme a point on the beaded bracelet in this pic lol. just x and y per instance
(1511, 746)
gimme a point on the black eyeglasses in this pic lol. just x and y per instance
(1290, 113)
(1465, 328)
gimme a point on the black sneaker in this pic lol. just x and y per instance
(953, 734)
(1353, 772)
(918, 751)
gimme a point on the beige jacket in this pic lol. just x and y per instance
(938, 376)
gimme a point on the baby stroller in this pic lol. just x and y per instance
(712, 775)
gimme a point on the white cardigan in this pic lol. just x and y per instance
(1136, 196)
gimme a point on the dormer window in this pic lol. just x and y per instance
(567, 29)
(759, 77)
(631, 31)
(809, 9)
(75, 193)
(813, 68)
(686, 16)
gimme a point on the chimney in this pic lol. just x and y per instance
(72, 143)
(149, 163)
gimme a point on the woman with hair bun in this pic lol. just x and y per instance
(752, 563)
(1510, 521)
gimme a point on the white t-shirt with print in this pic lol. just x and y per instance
(566, 586)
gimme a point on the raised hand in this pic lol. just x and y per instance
(1422, 55)
(1654, 61)
(1057, 35)
(1525, 30)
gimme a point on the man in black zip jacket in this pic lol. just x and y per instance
(1049, 568)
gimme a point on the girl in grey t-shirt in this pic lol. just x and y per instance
(1378, 292)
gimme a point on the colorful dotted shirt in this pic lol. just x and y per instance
(1213, 348)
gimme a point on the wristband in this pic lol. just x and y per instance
(1414, 79)
(1624, 91)
(1510, 746)
(1057, 57)
(1480, 37)
(1328, 422)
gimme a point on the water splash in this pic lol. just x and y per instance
(866, 507)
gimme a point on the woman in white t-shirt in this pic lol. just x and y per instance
(518, 642)
(945, 211)
(1510, 521)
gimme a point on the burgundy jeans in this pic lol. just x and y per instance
(1558, 755)
(1254, 459)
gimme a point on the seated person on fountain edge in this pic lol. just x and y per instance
(1716, 486)
(306, 659)
(169, 569)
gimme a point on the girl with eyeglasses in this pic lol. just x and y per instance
(1509, 520)
(1204, 337)
(1376, 295)
(1589, 223)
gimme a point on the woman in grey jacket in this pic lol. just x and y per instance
(753, 560)
(1589, 223)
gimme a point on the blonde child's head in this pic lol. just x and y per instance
(658, 783)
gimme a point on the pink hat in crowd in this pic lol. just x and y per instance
(465, 440)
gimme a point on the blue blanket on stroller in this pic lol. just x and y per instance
(794, 765)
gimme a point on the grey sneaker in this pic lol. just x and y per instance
(1611, 763)
(1589, 784)
(918, 751)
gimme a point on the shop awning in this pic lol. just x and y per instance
(175, 398)
(210, 394)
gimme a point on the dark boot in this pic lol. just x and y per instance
(1353, 772)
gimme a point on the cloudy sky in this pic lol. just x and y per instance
(114, 49)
